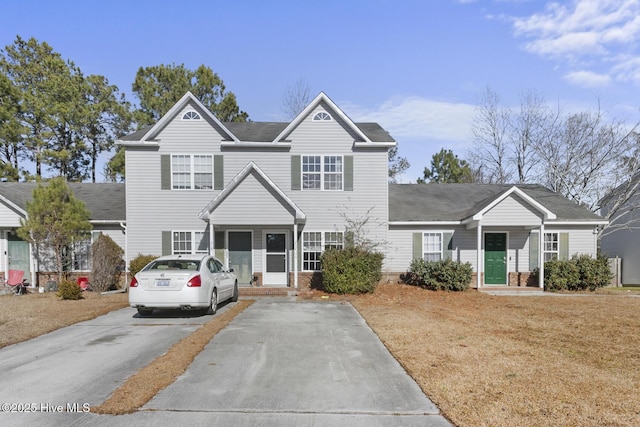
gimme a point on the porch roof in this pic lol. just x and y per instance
(251, 168)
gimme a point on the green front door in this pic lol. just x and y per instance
(495, 259)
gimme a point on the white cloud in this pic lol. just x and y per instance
(582, 31)
(419, 118)
(587, 79)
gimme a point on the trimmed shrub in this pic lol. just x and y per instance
(106, 258)
(351, 270)
(139, 262)
(577, 274)
(69, 290)
(444, 275)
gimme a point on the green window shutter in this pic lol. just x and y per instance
(295, 173)
(533, 250)
(219, 245)
(447, 245)
(417, 246)
(218, 172)
(166, 243)
(348, 173)
(564, 246)
(165, 172)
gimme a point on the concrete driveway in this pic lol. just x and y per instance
(281, 362)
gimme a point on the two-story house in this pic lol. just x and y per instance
(266, 198)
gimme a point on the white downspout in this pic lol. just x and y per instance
(541, 257)
(295, 255)
(479, 257)
(126, 255)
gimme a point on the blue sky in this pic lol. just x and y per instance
(417, 67)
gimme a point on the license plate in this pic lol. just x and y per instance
(163, 282)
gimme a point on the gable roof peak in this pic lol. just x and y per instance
(321, 97)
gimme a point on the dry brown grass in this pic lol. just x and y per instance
(515, 361)
(484, 360)
(23, 317)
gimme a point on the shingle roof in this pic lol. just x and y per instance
(268, 131)
(455, 202)
(105, 201)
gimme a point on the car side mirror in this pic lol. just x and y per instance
(231, 270)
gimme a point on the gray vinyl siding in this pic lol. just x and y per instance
(150, 210)
(9, 217)
(624, 242)
(464, 241)
(512, 211)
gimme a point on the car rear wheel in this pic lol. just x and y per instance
(234, 298)
(213, 305)
(144, 311)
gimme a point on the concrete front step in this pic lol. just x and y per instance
(257, 291)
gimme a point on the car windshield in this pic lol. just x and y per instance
(173, 264)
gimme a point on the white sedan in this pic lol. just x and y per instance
(182, 281)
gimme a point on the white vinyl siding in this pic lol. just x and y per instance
(512, 211)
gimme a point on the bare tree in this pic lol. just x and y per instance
(533, 126)
(397, 165)
(296, 98)
(582, 161)
(490, 137)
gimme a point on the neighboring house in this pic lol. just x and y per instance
(106, 205)
(494, 227)
(622, 237)
(266, 197)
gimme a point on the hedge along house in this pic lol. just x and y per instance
(505, 232)
(106, 205)
(267, 198)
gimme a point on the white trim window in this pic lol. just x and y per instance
(322, 173)
(322, 116)
(191, 171)
(314, 243)
(81, 254)
(191, 115)
(432, 246)
(551, 247)
(189, 242)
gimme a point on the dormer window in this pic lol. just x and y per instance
(322, 116)
(191, 115)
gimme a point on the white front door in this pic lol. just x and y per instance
(275, 272)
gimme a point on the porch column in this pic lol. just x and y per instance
(541, 257)
(295, 255)
(212, 239)
(479, 257)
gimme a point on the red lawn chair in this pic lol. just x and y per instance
(15, 280)
(83, 282)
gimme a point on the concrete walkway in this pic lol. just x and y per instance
(283, 362)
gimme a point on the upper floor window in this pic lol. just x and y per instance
(191, 115)
(322, 173)
(322, 116)
(191, 171)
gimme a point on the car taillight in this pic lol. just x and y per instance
(194, 282)
(134, 283)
